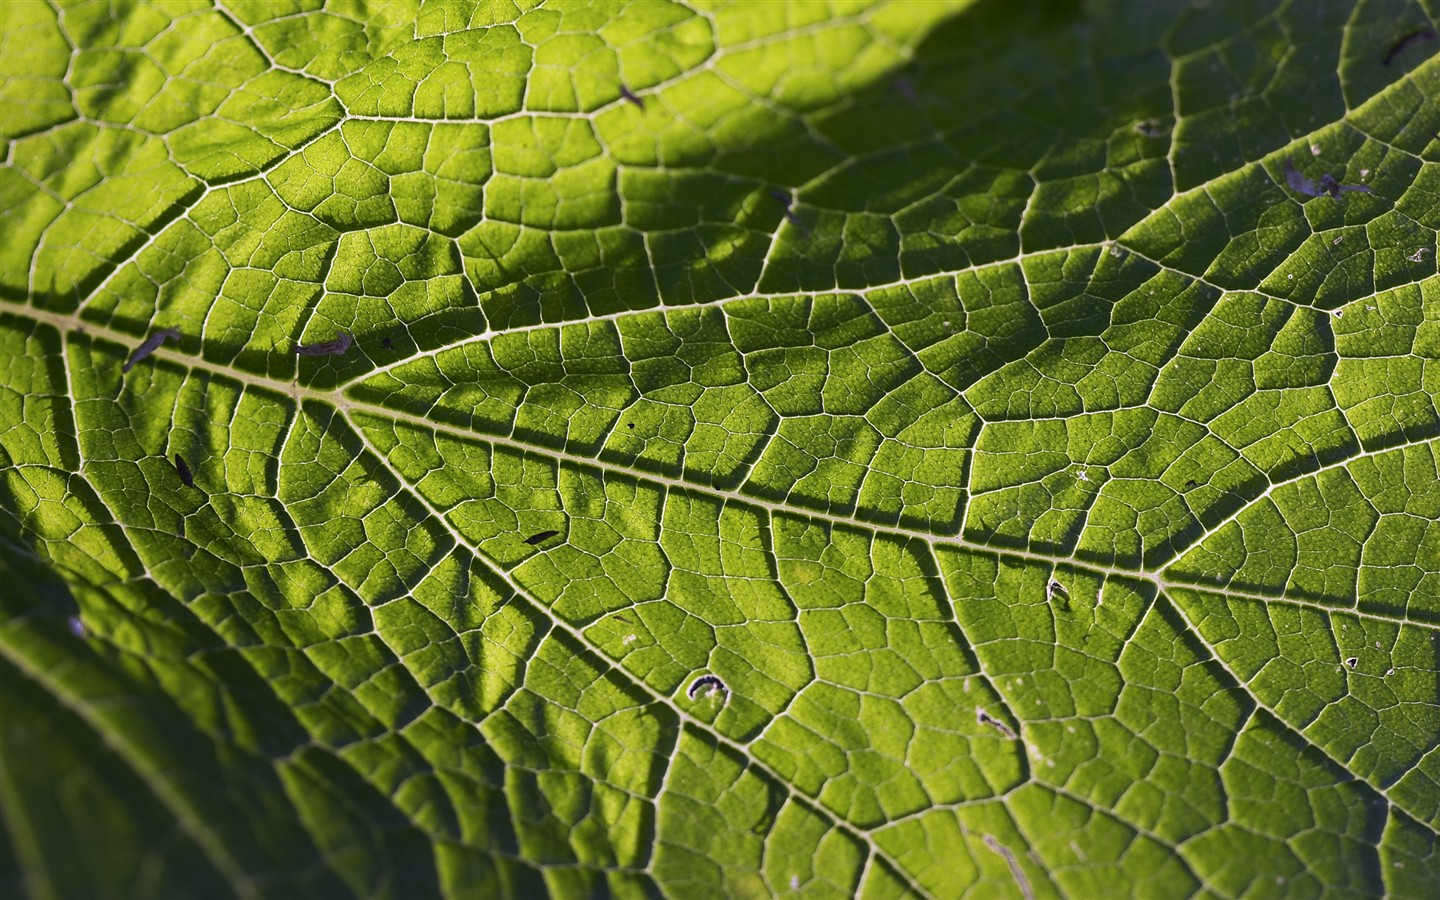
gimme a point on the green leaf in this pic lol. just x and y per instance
(825, 450)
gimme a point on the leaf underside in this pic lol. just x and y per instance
(821, 449)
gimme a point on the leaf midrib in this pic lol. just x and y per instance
(338, 399)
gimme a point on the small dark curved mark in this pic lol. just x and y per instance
(985, 718)
(336, 347)
(1190, 483)
(1055, 593)
(540, 537)
(1352, 662)
(387, 343)
(712, 682)
(785, 200)
(186, 477)
(1406, 39)
(1326, 185)
(152, 343)
(630, 425)
(630, 95)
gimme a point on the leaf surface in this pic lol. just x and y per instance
(719, 449)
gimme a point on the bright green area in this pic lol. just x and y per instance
(809, 449)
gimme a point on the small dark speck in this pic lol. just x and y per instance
(387, 344)
(630, 425)
(1190, 483)
(630, 95)
(1352, 662)
(184, 471)
(540, 537)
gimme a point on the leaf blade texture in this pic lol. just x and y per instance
(986, 463)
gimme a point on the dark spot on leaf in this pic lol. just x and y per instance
(184, 471)
(1405, 40)
(538, 537)
(1299, 182)
(1055, 593)
(151, 344)
(785, 200)
(985, 718)
(630, 95)
(1335, 188)
(712, 682)
(1189, 483)
(630, 425)
(1352, 662)
(1151, 128)
(387, 344)
(336, 347)
(1326, 185)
